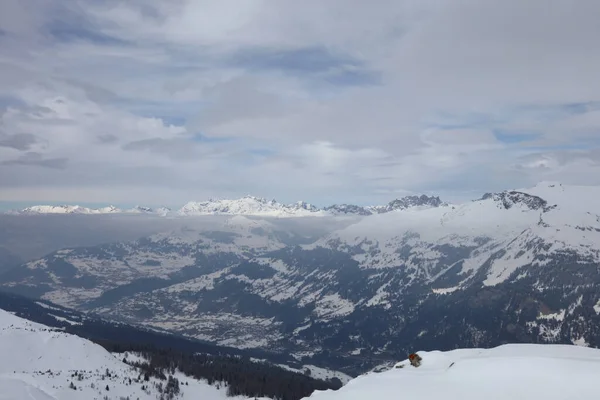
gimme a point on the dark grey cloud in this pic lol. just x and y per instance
(70, 22)
(38, 160)
(314, 61)
(17, 141)
(307, 59)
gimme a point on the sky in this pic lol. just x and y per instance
(162, 102)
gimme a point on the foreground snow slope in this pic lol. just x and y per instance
(39, 363)
(509, 372)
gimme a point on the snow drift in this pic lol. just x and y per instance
(509, 372)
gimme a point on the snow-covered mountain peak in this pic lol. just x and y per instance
(513, 198)
(348, 209)
(302, 205)
(407, 202)
(80, 210)
(163, 211)
(541, 197)
(248, 205)
(404, 203)
(68, 209)
(142, 209)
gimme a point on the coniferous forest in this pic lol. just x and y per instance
(165, 353)
(240, 375)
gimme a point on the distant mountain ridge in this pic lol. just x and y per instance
(247, 205)
(76, 209)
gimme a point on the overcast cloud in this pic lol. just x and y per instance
(161, 102)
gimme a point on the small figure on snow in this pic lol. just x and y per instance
(415, 359)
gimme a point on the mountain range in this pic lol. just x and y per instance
(515, 266)
(248, 205)
(75, 209)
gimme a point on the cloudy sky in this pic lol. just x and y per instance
(165, 101)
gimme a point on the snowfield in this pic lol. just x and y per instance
(41, 363)
(509, 372)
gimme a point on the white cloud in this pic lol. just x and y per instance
(343, 100)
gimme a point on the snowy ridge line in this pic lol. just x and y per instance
(248, 205)
(76, 209)
(544, 196)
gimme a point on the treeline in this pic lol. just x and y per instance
(216, 364)
(240, 375)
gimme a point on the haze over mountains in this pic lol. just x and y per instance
(349, 293)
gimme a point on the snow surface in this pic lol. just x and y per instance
(509, 372)
(38, 363)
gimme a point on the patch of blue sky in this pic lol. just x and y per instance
(551, 112)
(515, 137)
(507, 115)
(171, 119)
(308, 59)
(172, 113)
(10, 101)
(201, 138)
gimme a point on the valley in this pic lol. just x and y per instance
(350, 292)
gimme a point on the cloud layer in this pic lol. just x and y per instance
(152, 102)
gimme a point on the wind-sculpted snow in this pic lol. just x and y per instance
(549, 372)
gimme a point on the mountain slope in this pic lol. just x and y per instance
(516, 266)
(549, 372)
(48, 364)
